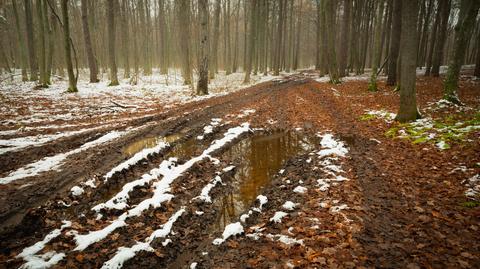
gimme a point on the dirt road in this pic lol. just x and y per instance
(280, 175)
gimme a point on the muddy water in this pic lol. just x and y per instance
(258, 159)
(149, 142)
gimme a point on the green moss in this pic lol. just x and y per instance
(392, 132)
(471, 204)
(366, 117)
(420, 140)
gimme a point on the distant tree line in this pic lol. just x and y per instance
(46, 37)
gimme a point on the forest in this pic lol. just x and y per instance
(239, 134)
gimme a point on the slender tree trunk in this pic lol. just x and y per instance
(318, 47)
(394, 42)
(72, 82)
(463, 30)
(49, 41)
(297, 39)
(251, 41)
(126, 39)
(442, 34)
(41, 46)
(184, 22)
(408, 110)
(92, 64)
(111, 42)
(32, 57)
(329, 14)
(377, 47)
(21, 41)
(202, 88)
(344, 37)
(216, 35)
(477, 61)
(428, 64)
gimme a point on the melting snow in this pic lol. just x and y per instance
(54, 162)
(332, 146)
(76, 190)
(285, 239)
(125, 253)
(161, 188)
(279, 215)
(289, 205)
(230, 230)
(48, 259)
(143, 154)
(300, 189)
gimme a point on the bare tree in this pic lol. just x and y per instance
(21, 41)
(111, 42)
(202, 87)
(72, 81)
(408, 110)
(92, 62)
(32, 57)
(463, 30)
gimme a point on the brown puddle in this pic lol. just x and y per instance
(149, 142)
(258, 159)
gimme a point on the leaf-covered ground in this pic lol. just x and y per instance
(290, 173)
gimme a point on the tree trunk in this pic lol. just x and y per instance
(441, 40)
(428, 64)
(329, 15)
(72, 82)
(344, 37)
(251, 41)
(202, 87)
(92, 64)
(318, 32)
(394, 42)
(296, 53)
(125, 38)
(377, 48)
(41, 46)
(184, 22)
(21, 41)
(32, 57)
(463, 30)
(477, 61)
(216, 35)
(408, 62)
(111, 42)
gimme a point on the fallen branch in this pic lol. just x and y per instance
(122, 105)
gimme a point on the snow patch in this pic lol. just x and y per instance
(300, 189)
(54, 162)
(278, 216)
(76, 190)
(48, 259)
(289, 205)
(230, 230)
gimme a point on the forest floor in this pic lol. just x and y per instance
(288, 173)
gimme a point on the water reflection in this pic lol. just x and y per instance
(259, 157)
(149, 142)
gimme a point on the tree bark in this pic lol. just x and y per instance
(202, 87)
(329, 14)
(377, 47)
(92, 64)
(251, 41)
(463, 30)
(344, 37)
(216, 35)
(32, 57)
(408, 110)
(72, 82)
(111, 42)
(21, 41)
(394, 42)
(441, 40)
(184, 22)
(41, 46)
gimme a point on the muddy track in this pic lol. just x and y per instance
(15, 203)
